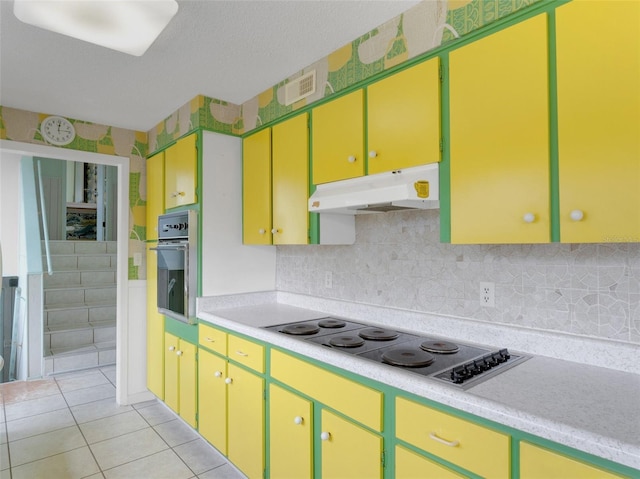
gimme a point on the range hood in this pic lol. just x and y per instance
(410, 188)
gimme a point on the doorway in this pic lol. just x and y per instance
(124, 341)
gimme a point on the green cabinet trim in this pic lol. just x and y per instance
(188, 332)
(390, 393)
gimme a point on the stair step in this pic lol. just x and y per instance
(61, 295)
(72, 335)
(81, 247)
(80, 305)
(79, 313)
(85, 262)
(80, 278)
(77, 358)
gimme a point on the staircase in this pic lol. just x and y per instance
(80, 306)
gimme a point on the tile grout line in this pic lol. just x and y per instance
(78, 424)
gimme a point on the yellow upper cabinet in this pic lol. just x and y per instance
(276, 184)
(598, 77)
(181, 172)
(256, 188)
(338, 139)
(290, 170)
(403, 118)
(155, 193)
(499, 121)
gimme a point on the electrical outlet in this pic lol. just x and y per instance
(328, 279)
(487, 294)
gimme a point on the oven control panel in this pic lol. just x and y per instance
(173, 226)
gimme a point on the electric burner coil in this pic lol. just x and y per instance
(378, 334)
(407, 357)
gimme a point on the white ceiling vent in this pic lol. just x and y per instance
(300, 88)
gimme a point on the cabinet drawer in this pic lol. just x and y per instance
(359, 402)
(212, 338)
(455, 440)
(536, 463)
(246, 352)
(410, 465)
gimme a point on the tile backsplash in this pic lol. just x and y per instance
(398, 261)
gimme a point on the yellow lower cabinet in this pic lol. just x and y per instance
(245, 420)
(212, 399)
(455, 440)
(348, 450)
(410, 465)
(290, 435)
(180, 368)
(539, 463)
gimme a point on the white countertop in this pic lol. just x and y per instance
(587, 407)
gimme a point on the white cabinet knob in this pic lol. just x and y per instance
(351, 159)
(172, 348)
(298, 420)
(218, 374)
(373, 154)
(325, 436)
(529, 218)
(179, 353)
(576, 215)
(274, 231)
(262, 231)
(228, 381)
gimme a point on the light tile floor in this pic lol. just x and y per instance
(69, 426)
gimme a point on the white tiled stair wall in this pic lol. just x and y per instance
(80, 306)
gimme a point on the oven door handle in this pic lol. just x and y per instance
(170, 248)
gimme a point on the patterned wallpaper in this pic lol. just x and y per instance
(398, 261)
(24, 126)
(427, 25)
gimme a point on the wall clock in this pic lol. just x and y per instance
(57, 130)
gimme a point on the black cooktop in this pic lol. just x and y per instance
(451, 362)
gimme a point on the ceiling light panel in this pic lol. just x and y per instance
(123, 25)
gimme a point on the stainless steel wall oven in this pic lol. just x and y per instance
(177, 265)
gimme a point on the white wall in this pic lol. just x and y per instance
(228, 266)
(10, 195)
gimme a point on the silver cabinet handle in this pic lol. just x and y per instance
(240, 353)
(436, 438)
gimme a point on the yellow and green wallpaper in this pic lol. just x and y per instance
(24, 126)
(428, 25)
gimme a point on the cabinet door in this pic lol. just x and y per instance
(155, 330)
(456, 440)
(171, 372)
(538, 463)
(256, 188)
(290, 435)
(212, 399)
(290, 169)
(188, 382)
(155, 193)
(338, 139)
(500, 137)
(598, 64)
(403, 119)
(245, 415)
(181, 170)
(410, 465)
(348, 450)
